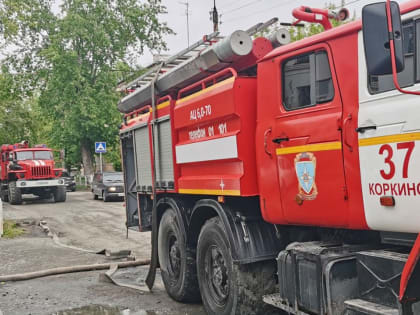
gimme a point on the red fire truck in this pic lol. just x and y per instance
(284, 175)
(26, 170)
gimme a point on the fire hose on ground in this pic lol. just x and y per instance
(71, 269)
(105, 277)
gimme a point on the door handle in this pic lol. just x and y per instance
(363, 129)
(266, 133)
(346, 121)
(280, 140)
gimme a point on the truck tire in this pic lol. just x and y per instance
(4, 195)
(59, 194)
(177, 261)
(95, 196)
(228, 288)
(15, 194)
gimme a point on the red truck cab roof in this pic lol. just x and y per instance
(32, 149)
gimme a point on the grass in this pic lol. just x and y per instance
(11, 229)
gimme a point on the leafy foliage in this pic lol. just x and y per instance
(16, 112)
(75, 60)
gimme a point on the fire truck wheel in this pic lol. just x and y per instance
(228, 288)
(177, 262)
(4, 195)
(60, 194)
(15, 194)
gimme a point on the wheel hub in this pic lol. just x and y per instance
(175, 256)
(218, 275)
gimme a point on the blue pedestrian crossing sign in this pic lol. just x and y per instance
(100, 147)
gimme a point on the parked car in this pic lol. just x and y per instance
(108, 185)
(69, 181)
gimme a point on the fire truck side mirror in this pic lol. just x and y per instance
(376, 38)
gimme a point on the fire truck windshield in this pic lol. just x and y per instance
(34, 155)
(43, 155)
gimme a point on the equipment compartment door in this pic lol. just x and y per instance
(128, 157)
(307, 136)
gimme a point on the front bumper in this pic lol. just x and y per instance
(115, 194)
(40, 183)
(70, 185)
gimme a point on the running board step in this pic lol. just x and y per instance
(362, 307)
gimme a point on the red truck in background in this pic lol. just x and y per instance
(284, 173)
(29, 170)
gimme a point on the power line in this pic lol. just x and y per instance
(242, 6)
(349, 3)
(261, 11)
(229, 4)
(273, 7)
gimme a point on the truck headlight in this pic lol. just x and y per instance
(23, 184)
(60, 181)
(112, 189)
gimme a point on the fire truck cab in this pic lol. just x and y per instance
(26, 170)
(291, 180)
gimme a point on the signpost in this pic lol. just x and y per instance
(100, 147)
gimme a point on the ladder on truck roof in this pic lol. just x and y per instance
(157, 68)
(173, 61)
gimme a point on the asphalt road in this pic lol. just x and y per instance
(88, 224)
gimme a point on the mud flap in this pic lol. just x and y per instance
(151, 275)
(410, 280)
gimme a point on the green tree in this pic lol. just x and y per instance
(74, 61)
(16, 113)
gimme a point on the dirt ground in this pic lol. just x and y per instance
(89, 224)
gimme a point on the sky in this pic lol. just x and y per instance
(235, 15)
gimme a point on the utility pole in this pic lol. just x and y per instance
(100, 162)
(187, 13)
(214, 17)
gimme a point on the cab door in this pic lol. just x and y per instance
(307, 139)
(389, 140)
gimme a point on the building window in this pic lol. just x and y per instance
(307, 81)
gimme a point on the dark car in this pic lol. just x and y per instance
(69, 181)
(108, 185)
